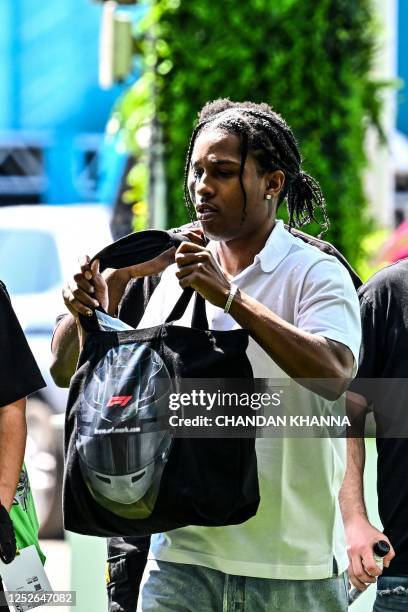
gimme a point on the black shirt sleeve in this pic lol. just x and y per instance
(19, 373)
(371, 337)
(369, 354)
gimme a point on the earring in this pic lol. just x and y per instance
(268, 200)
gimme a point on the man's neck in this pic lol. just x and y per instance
(236, 255)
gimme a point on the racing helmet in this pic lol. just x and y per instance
(123, 441)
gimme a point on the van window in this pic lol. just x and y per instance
(29, 261)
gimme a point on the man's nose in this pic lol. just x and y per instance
(204, 186)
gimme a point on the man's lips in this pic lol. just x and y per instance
(205, 211)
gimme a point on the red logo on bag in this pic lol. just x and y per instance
(119, 400)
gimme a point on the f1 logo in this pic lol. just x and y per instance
(119, 400)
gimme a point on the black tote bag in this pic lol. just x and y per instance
(126, 475)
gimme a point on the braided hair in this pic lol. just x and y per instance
(266, 136)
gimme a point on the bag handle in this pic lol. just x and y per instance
(139, 247)
(130, 250)
(199, 319)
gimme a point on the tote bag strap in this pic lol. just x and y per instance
(138, 248)
(199, 319)
(130, 250)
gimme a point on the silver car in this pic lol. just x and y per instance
(39, 250)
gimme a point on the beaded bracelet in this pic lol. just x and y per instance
(231, 295)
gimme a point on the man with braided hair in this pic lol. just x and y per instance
(274, 147)
(302, 314)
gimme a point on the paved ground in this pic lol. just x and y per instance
(58, 568)
(78, 564)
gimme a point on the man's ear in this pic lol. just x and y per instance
(275, 182)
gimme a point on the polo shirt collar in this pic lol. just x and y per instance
(276, 248)
(274, 251)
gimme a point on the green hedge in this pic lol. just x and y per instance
(310, 61)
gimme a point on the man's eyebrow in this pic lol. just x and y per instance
(219, 162)
(226, 161)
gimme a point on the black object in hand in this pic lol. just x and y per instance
(8, 545)
(380, 549)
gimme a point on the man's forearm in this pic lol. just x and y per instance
(352, 502)
(300, 354)
(13, 433)
(360, 534)
(65, 351)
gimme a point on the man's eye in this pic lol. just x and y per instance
(197, 173)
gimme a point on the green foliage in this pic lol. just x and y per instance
(369, 261)
(310, 61)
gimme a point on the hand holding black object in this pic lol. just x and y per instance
(8, 545)
(198, 269)
(380, 550)
(87, 289)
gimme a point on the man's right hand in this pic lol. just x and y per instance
(86, 290)
(361, 537)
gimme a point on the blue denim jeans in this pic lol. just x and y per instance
(168, 587)
(392, 594)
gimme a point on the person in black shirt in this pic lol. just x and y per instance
(381, 384)
(19, 376)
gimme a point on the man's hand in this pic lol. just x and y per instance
(8, 545)
(198, 269)
(361, 537)
(86, 290)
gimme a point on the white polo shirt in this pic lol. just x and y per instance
(297, 531)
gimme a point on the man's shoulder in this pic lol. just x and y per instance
(329, 249)
(3, 290)
(391, 280)
(308, 255)
(5, 301)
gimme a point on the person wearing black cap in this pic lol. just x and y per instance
(19, 376)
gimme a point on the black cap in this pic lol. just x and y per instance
(381, 548)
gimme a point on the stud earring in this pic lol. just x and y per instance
(268, 196)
